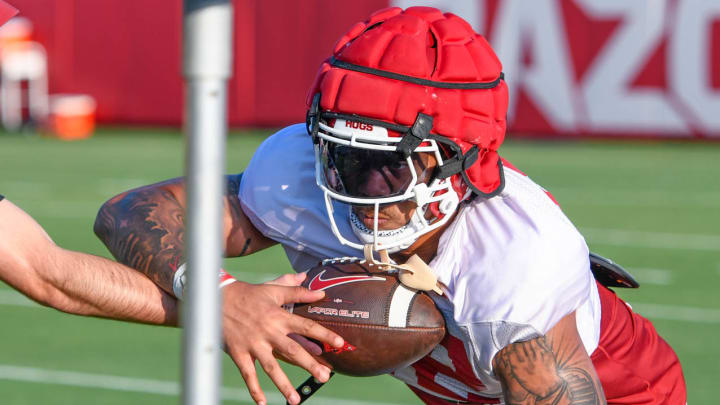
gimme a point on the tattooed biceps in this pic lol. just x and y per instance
(551, 369)
(145, 229)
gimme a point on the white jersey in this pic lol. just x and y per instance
(513, 265)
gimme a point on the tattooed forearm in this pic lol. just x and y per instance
(552, 369)
(145, 229)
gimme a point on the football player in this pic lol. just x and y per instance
(399, 154)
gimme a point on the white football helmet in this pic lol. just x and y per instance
(358, 163)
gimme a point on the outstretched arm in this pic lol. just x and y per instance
(552, 369)
(75, 282)
(144, 228)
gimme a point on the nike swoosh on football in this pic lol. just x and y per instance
(318, 283)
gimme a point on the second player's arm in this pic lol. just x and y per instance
(145, 229)
(553, 369)
(75, 282)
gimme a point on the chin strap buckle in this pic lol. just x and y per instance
(417, 274)
(414, 273)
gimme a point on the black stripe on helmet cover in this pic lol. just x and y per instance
(416, 80)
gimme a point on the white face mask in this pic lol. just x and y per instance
(358, 164)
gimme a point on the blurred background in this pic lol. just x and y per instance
(614, 108)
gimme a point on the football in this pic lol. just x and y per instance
(385, 324)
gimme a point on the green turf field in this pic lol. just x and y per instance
(653, 207)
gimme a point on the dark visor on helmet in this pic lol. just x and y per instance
(365, 173)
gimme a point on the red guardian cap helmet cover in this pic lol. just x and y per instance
(428, 78)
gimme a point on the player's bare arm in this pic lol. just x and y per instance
(551, 369)
(145, 229)
(75, 282)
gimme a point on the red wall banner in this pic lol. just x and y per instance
(574, 67)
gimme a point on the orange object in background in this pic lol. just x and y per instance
(72, 116)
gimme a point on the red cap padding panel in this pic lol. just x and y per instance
(426, 44)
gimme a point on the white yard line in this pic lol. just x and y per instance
(141, 385)
(652, 276)
(656, 240)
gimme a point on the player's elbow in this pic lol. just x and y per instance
(102, 227)
(109, 214)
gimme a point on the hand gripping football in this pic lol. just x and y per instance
(385, 324)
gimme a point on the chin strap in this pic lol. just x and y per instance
(310, 387)
(414, 273)
(416, 135)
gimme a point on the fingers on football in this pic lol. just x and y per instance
(302, 294)
(309, 346)
(246, 365)
(308, 328)
(277, 375)
(296, 354)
